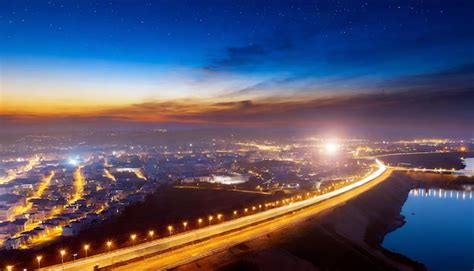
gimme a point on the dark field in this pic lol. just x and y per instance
(168, 206)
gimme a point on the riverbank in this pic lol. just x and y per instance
(347, 237)
(437, 216)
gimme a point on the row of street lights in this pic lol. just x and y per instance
(210, 219)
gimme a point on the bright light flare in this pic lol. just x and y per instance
(332, 147)
(73, 162)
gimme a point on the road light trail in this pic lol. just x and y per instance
(109, 175)
(260, 222)
(12, 174)
(78, 184)
(221, 189)
(139, 174)
(193, 252)
(44, 183)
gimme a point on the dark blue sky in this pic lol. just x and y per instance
(304, 37)
(232, 51)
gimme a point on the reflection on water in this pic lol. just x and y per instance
(441, 193)
(439, 229)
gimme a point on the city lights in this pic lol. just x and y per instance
(38, 260)
(169, 135)
(86, 248)
(73, 162)
(78, 180)
(109, 244)
(332, 147)
(62, 252)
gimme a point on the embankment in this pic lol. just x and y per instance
(347, 237)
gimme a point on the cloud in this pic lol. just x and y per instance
(417, 112)
(436, 101)
(401, 109)
(253, 54)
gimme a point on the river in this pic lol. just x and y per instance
(439, 229)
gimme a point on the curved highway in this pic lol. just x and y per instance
(180, 248)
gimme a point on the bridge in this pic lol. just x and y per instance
(191, 245)
(461, 172)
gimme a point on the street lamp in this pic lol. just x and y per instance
(199, 222)
(38, 259)
(235, 214)
(151, 233)
(219, 216)
(133, 237)
(9, 267)
(246, 209)
(170, 229)
(184, 225)
(210, 219)
(62, 252)
(109, 244)
(86, 248)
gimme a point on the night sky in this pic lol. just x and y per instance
(343, 65)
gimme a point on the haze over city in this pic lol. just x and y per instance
(236, 135)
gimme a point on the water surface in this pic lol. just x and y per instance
(439, 229)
